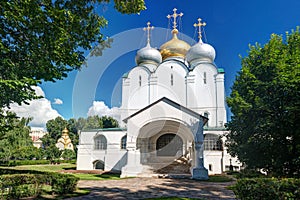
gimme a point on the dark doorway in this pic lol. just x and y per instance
(99, 164)
(169, 145)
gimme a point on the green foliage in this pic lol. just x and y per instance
(25, 183)
(45, 40)
(247, 173)
(265, 102)
(55, 127)
(109, 122)
(16, 142)
(93, 122)
(23, 162)
(68, 154)
(267, 189)
(63, 184)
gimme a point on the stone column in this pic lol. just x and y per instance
(199, 171)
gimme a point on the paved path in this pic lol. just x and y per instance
(142, 188)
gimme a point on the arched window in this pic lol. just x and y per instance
(212, 142)
(172, 81)
(100, 142)
(124, 142)
(204, 77)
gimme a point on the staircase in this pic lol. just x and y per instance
(178, 166)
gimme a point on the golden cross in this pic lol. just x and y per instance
(175, 15)
(148, 28)
(199, 27)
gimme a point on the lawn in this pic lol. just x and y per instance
(66, 166)
(49, 167)
(96, 177)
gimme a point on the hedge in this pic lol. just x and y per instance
(267, 189)
(33, 162)
(15, 184)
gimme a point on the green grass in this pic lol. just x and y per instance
(98, 177)
(48, 168)
(46, 194)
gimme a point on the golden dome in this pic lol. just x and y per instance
(174, 47)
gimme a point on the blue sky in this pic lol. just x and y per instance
(231, 26)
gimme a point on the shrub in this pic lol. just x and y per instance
(267, 189)
(25, 183)
(63, 183)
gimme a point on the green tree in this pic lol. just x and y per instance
(16, 143)
(265, 102)
(68, 154)
(109, 122)
(54, 128)
(93, 122)
(43, 40)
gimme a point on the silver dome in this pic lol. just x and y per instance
(148, 55)
(201, 52)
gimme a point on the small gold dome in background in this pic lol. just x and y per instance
(174, 47)
(65, 130)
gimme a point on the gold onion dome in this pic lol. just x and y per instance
(174, 47)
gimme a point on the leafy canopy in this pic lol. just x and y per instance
(265, 102)
(43, 40)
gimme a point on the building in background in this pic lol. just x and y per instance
(36, 134)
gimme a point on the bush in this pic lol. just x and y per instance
(247, 173)
(11, 163)
(63, 184)
(24, 162)
(267, 189)
(25, 183)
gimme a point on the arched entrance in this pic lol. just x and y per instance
(98, 164)
(169, 144)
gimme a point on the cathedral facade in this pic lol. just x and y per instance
(173, 112)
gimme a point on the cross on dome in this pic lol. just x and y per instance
(148, 28)
(175, 15)
(199, 25)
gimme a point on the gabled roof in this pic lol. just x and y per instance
(172, 103)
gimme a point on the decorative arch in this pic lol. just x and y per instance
(100, 142)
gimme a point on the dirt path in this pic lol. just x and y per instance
(142, 188)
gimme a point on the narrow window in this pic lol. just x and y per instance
(206, 115)
(172, 81)
(124, 142)
(210, 167)
(140, 80)
(204, 77)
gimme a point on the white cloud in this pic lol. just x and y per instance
(99, 108)
(58, 101)
(40, 109)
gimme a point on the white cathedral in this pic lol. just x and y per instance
(173, 112)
